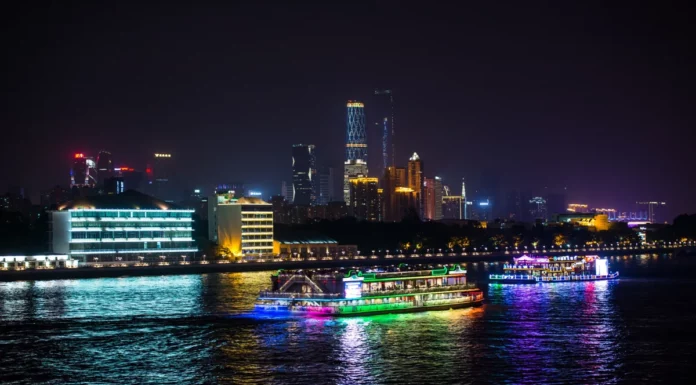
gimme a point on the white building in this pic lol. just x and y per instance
(128, 225)
(244, 225)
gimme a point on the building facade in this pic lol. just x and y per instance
(352, 169)
(382, 117)
(452, 207)
(305, 181)
(365, 199)
(128, 225)
(244, 225)
(414, 179)
(356, 135)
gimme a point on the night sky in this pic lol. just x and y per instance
(595, 99)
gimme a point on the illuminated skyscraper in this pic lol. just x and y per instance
(352, 169)
(382, 115)
(355, 165)
(414, 179)
(356, 137)
(305, 180)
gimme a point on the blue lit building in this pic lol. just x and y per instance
(356, 136)
(128, 225)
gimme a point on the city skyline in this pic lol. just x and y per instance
(473, 118)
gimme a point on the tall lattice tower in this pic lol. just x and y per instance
(356, 136)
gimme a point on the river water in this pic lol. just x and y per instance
(198, 329)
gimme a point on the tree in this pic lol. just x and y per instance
(559, 239)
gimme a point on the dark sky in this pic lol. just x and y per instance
(593, 98)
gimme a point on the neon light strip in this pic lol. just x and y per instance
(409, 278)
(134, 251)
(110, 240)
(134, 210)
(90, 229)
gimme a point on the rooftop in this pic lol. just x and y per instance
(130, 199)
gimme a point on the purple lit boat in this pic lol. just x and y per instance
(528, 269)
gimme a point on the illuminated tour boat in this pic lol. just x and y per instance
(528, 269)
(355, 293)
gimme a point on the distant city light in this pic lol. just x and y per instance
(254, 193)
(79, 156)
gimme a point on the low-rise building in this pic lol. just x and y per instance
(128, 225)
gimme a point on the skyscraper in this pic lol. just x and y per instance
(365, 199)
(356, 137)
(464, 203)
(352, 169)
(382, 116)
(394, 177)
(160, 173)
(105, 166)
(428, 198)
(83, 171)
(326, 185)
(304, 175)
(452, 207)
(356, 146)
(438, 198)
(414, 179)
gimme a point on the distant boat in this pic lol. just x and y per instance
(526, 269)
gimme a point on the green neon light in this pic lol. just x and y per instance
(442, 271)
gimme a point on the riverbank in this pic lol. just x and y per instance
(197, 268)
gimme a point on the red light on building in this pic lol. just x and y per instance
(79, 155)
(148, 170)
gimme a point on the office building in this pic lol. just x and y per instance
(365, 199)
(352, 169)
(480, 209)
(393, 178)
(160, 177)
(432, 198)
(105, 166)
(305, 181)
(326, 185)
(243, 225)
(414, 179)
(382, 115)
(128, 225)
(405, 202)
(132, 179)
(438, 198)
(452, 207)
(83, 172)
(286, 191)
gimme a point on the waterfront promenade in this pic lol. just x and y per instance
(105, 269)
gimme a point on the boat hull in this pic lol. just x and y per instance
(414, 309)
(525, 280)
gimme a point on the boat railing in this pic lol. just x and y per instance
(563, 278)
(275, 294)
(431, 289)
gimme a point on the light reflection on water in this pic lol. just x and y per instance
(198, 329)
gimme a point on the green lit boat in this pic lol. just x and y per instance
(354, 293)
